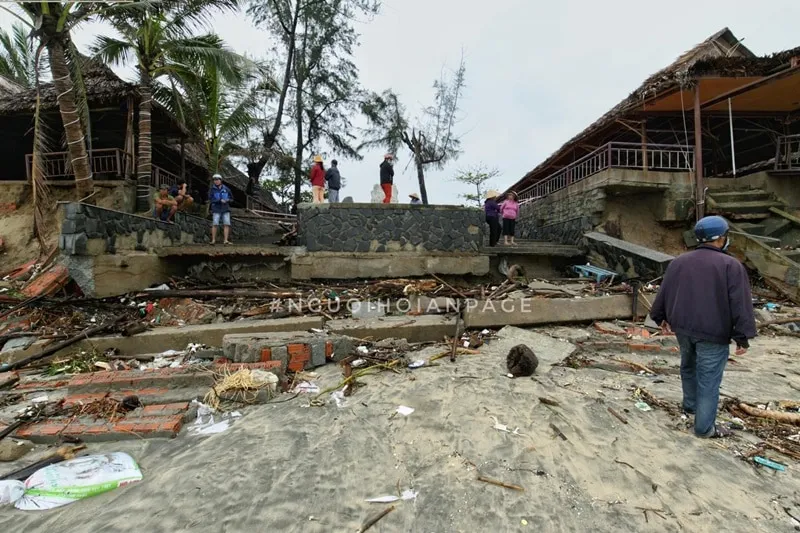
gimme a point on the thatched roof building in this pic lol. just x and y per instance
(719, 64)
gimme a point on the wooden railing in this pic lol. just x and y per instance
(666, 157)
(158, 176)
(787, 153)
(104, 161)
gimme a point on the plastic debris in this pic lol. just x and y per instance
(769, 306)
(643, 406)
(338, 397)
(76, 479)
(504, 428)
(404, 410)
(11, 491)
(407, 494)
(358, 363)
(206, 424)
(362, 350)
(162, 287)
(770, 464)
(417, 364)
(523, 522)
(306, 387)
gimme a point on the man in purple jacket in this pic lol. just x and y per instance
(705, 299)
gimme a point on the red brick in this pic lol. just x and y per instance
(221, 361)
(266, 355)
(267, 365)
(165, 409)
(616, 330)
(299, 355)
(329, 350)
(48, 282)
(638, 347)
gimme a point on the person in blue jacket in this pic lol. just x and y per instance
(220, 197)
(705, 299)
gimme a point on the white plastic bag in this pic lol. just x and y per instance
(73, 480)
(10, 491)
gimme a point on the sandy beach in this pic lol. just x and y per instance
(296, 468)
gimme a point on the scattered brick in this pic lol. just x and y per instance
(49, 430)
(609, 329)
(266, 355)
(299, 356)
(638, 347)
(48, 282)
(266, 365)
(328, 350)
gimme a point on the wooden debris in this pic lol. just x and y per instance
(558, 432)
(786, 418)
(500, 483)
(637, 365)
(548, 401)
(199, 294)
(372, 521)
(617, 416)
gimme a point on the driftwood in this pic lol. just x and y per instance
(500, 483)
(785, 418)
(372, 521)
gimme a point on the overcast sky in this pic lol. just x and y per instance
(537, 72)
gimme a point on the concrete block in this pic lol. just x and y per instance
(306, 349)
(345, 265)
(532, 312)
(419, 329)
(628, 259)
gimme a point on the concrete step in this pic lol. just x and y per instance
(754, 195)
(758, 209)
(753, 229)
(776, 227)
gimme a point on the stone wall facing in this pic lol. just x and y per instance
(389, 228)
(627, 259)
(93, 230)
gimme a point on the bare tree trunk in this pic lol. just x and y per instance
(76, 140)
(144, 163)
(298, 154)
(421, 179)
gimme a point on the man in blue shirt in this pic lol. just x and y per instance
(220, 197)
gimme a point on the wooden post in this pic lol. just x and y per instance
(698, 154)
(645, 166)
(183, 159)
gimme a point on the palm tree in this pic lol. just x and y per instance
(51, 23)
(17, 56)
(159, 38)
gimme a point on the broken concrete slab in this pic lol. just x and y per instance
(625, 258)
(418, 329)
(177, 338)
(534, 311)
(360, 265)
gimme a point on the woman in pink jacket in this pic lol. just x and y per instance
(509, 210)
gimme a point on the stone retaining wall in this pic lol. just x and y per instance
(92, 230)
(627, 259)
(389, 228)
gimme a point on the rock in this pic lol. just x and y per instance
(571, 334)
(401, 345)
(186, 310)
(347, 200)
(521, 361)
(13, 449)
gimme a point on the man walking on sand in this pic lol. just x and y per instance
(334, 180)
(387, 177)
(705, 298)
(220, 197)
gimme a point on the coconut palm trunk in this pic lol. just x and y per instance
(144, 162)
(76, 141)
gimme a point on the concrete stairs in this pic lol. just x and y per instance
(742, 205)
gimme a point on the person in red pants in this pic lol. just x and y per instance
(387, 177)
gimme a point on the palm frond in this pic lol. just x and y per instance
(111, 50)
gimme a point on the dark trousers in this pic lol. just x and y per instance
(494, 230)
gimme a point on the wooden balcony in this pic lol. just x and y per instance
(107, 163)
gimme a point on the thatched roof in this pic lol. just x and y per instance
(103, 87)
(9, 86)
(722, 54)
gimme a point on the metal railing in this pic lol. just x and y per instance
(274, 217)
(666, 157)
(104, 161)
(787, 153)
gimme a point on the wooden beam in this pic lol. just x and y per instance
(698, 155)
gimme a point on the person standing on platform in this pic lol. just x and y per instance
(334, 180)
(318, 180)
(509, 210)
(387, 177)
(492, 210)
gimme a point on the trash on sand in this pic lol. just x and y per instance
(205, 423)
(362, 350)
(11, 491)
(162, 287)
(40, 399)
(76, 479)
(358, 363)
(405, 411)
(500, 483)
(338, 397)
(504, 428)
(407, 494)
(642, 406)
(769, 306)
(523, 522)
(306, 387)
(771, 464)
(417, 364)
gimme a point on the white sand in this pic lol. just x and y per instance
(280, 465)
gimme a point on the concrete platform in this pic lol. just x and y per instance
(370, 265)
(536, 248)
(233, 251)
(426, 328)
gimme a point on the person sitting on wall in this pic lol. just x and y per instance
(181, 195)
(220, 197)
(165, 204)
(415, 199)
